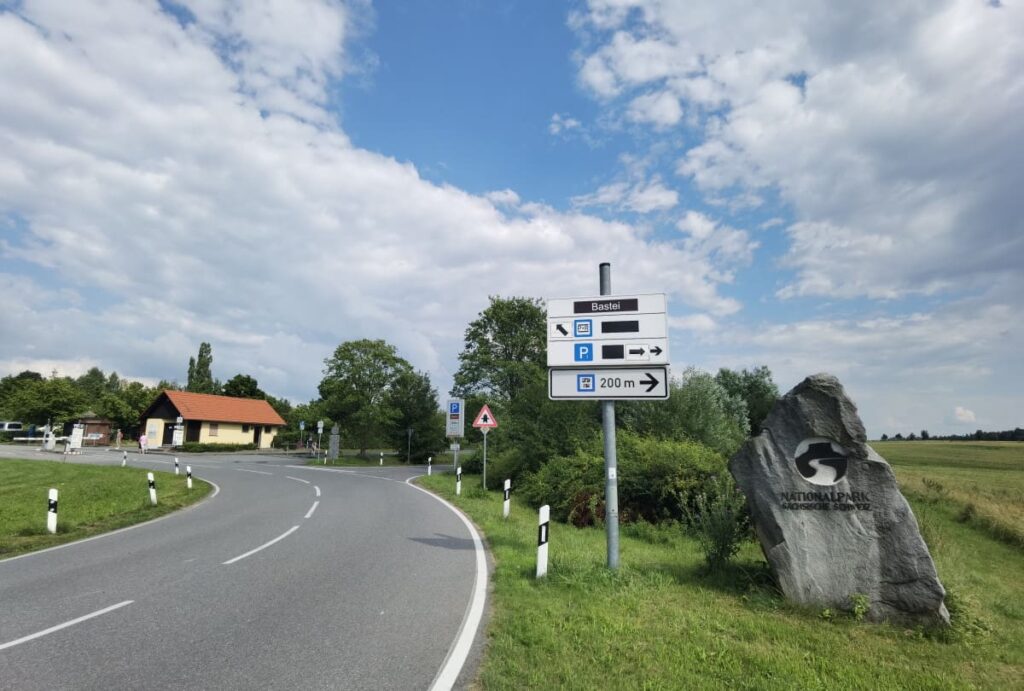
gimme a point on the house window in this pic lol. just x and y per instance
(266, 429)
(245, 429)
(214, 427)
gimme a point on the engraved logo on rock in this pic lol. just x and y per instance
(821, 461)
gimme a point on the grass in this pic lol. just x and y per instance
(984, 481)
(662, 622)
(93, 500)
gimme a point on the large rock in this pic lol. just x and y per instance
(827, 511)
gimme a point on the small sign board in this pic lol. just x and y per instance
(455, 446)
(455, 418)
(178, 437)
(583, 353)
(485, 419)
(608, 331)
(320, 427)
(302, 425)
(607, 383)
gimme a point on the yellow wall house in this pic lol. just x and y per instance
(210, 419)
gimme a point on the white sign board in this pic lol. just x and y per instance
(608, 383)
(178, 438)
(77, 432)
(455, 418)
(608, 331)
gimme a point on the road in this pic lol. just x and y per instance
(288, 577)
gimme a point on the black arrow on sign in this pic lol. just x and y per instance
(656, 350)
(561, 330)
(651, 381)
(636, 351)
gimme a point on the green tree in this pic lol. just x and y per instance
(242, 386)
(9, 386)
(756, 388)
(504, 346)
(57, 399)
(92, 384)
(355, 389)
(200, 371)
(414, 402)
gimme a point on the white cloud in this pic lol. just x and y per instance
(963, 414)
(693, 322)
(644, 196)
(560, 124)
(184, 183)
(661, 109)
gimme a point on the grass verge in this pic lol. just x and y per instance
(93, 500)
(661, 622)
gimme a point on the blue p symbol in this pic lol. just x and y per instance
(584, 352)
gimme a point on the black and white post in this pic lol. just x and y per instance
(458, 481)
(51, 512)
(430, 459)
(152, 488)
(176, 471)
(188, 476)
(124, 459)
(508, 498)
(544, 518)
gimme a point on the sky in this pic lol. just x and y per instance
(815, 186)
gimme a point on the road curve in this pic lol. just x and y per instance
(290, 577)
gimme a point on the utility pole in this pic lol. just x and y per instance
(611, 481)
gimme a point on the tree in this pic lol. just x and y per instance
(243, 386)
(200, 373)
(415, 406)
(57, 399)
(356, 386)
(885, 437)
(504, 346)
(92, 384)
(924, 435)
(756, 388)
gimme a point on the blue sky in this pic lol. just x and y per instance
(804, 182)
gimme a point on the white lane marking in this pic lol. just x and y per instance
(58, 627)
(258, 472)
(317, 490)
(216, 491)
(251, 552)
(298, 479)
(312, 509)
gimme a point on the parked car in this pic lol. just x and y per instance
(11, 427)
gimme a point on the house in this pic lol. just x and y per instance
(96, 431)
(210, 419)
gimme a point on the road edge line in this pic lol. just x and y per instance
(60, 627)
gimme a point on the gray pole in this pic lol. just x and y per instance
(611, 482)
(408, 445)
(484, 430)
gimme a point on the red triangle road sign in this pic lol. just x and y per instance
(485, 419)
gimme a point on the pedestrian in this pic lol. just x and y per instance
(143, 441)
(119, 437)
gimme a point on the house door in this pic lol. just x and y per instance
(168, 434)
(257, 433)
(192, 428)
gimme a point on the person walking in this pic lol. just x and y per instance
(143, 441)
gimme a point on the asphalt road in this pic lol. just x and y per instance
(287, 578)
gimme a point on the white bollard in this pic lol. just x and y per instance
(458, 481)
(508, 501)
(176, 472)
(429, 461)
(382, 458)
(152, 488)
(124, 459)
(188, 476)
(51, 512)
(542, 541)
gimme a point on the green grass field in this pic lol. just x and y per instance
(662, 623)
(93, 499)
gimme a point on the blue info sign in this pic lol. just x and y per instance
(456, 420)
(585, 382)
(583, 352)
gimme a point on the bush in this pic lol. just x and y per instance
(658, 480)
(196, 447)
(719, 521)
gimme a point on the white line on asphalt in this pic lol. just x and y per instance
(258, 472)
(298, 479)
(312, 509)
(58, 627)
(459, 651)
(216, 491)
(261, 547)
(317, 490)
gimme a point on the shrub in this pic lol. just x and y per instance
(719, 521)
(658, 480)
(196, 447)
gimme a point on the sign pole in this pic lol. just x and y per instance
(484, 430)
(611, 482)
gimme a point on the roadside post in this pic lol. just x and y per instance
(485, 422)
(152, 488)
(455, 426)
(458, 481)
(608, 348)
(508, 499)
(382, 458)
(319, 433)
(51, 512)
(543, 523)
(430, 459)
(176, 471)
(188, 476)
(124, 459)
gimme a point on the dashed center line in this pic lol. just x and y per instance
(298, 479)
(58, 627)
(317, 490)
(258, 472)
(312, 509)
(251, 552)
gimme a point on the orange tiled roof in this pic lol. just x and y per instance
(204, 406)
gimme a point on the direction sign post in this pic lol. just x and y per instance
(485, 422)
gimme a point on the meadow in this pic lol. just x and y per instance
(663, 622)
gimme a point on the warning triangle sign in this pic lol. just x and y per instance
(485, 419)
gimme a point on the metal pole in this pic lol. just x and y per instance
(408, 445)
(484, 430)
(611, 481)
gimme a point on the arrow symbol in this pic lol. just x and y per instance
(651, 381)
(561, 330)
(656, 350)
(636, 351)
